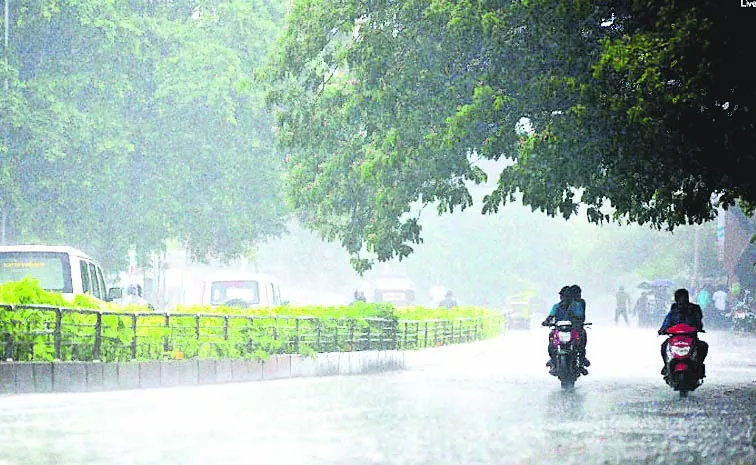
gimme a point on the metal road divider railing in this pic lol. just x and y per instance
(45, 333)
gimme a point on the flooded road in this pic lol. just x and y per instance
(483, 403)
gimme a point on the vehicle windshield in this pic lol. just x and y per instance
(51, 269)
(222, 292)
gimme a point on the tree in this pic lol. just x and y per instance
(636, 111)
(136, 122)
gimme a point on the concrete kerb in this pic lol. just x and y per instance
(128, 375)
(223, 371)
(95, 376)
(277, 367)
(7, 378)
(246, 370)
(149, 374)
(29, 377)
(302, 366)
(207, 372)
(43, 376)
(370, 362)
(24, 379)
(327, 364)
(69, 376)
(354, 362)
(109, 376)
(188, 371)
(169, 373)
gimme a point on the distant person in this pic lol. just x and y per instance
(720, 300)
(641, 309)
(703, 298)
(623, 306)
(449, 301)
(735, 291)
(359, 297)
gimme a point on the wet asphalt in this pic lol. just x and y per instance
(490, 402)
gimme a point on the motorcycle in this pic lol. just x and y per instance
(683, 371)
(566, 340)
(742, 316)
(743, 320)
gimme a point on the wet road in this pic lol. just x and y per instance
(483, 403)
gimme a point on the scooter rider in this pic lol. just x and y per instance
(684, 311)
(562, 310)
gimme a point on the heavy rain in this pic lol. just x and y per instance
(422, 232)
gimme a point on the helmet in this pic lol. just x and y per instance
(681, 296)
(575, 291)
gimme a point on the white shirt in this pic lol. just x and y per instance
(719, 297)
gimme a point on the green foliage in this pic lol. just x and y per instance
(28, 292)
(84, 301)
(634, 111)
(129, 123)
(356, 310)
(224, 332)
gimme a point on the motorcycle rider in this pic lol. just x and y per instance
(684, 311)
(563, 310)
(578, 308)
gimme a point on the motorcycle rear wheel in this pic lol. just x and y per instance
(566, 375)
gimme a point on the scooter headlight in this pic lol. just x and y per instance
(565, 336)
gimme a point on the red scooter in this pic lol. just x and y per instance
(683, 370)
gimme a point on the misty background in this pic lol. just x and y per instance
(485, 259)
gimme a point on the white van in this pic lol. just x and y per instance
(238, 289)
(57, 268)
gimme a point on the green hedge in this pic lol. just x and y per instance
(34, 327)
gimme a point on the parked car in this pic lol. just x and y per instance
(57, 268)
